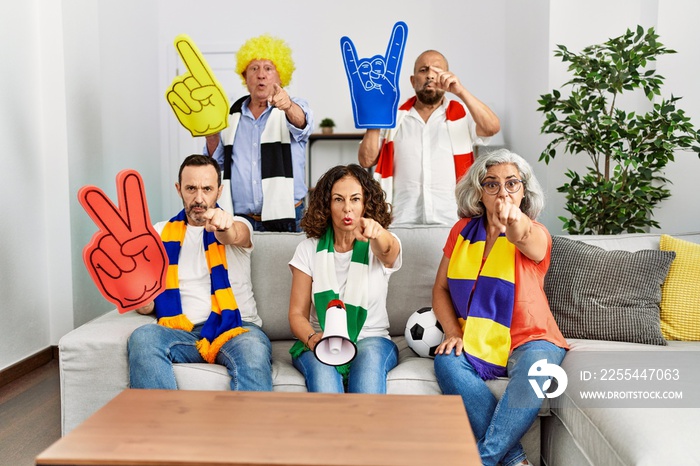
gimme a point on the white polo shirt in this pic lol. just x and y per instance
(424, 170)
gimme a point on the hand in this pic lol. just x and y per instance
(446, 81)
(505, 213)
(373, 81)
(450, 343)
(279, 98)
(196, 97)
(126, 258)
(217, 220)
(368, 229)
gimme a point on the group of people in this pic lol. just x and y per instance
(488, 293)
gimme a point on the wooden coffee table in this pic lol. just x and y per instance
(164, 427)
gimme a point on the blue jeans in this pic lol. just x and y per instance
(498, 425)
(258, 225)
(153, 349)
(376, 356)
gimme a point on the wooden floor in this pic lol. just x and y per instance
(30, 415)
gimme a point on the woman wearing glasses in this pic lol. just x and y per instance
(489, 298)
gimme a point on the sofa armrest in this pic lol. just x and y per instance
(93, 364)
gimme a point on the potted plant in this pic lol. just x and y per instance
(628, 150)
(327, 125)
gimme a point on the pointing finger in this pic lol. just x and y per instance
(193, 60)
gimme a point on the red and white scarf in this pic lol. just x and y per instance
(460, 139)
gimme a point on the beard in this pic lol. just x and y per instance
(196, 218)
(429, 96)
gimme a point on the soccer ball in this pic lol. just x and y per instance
(423, 332)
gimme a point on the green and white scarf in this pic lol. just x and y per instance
(325, 288)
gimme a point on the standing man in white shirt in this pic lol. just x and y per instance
(419, 161)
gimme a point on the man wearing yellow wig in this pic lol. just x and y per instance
(262, 152)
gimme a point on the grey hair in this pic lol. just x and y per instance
(468, 191)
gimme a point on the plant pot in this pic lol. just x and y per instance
(327, 130)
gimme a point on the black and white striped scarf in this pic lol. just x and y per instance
(278, 213)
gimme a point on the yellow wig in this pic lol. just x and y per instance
(266, 47)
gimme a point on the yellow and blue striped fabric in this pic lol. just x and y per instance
(483, 297)
(224, 321)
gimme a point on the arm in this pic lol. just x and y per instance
(368, 152)
(226, 229)
(384, 245)
(444, 311)
(531, 240)
(147, 309)
(295, 114)
(487, 123)
(212, 143)
(299, 309)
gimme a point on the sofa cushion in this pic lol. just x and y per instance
(680, 293)
(606, 295)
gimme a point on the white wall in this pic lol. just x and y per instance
(85, 99)
(34, 230)
(579, 24)
(677, 26)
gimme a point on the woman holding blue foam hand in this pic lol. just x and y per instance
(489, 297)
(347, 249)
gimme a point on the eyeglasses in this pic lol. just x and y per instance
(494, 187)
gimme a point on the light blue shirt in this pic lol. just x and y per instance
(246, 178)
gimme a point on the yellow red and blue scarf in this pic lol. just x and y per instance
(224, 322)
(483, 297)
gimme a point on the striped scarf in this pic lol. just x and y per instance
(483, 297)
(460, 140)
(325, 288)
(278, 212)
(224, 322)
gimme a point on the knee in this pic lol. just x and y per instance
(254, 346)
(142, 337)
(445, 364)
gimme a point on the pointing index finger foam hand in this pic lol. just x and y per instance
(193, 59)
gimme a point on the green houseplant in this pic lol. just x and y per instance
(628, 150)
(327, 125)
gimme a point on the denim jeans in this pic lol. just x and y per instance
(153, 349)
(258, 225)
(498, 425)
(376, 356)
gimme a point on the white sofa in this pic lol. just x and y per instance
(93, 360)
(578, 434)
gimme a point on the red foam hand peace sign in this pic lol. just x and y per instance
(126, 258)
(197, 97)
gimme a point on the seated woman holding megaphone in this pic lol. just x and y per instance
(340, 321)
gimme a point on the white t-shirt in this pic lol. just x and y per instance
(424, 170)
(195, 282)
(377, 322)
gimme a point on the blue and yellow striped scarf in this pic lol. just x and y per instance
(483, 298)
(224, 322)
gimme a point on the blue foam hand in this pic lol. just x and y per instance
(373, 81)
